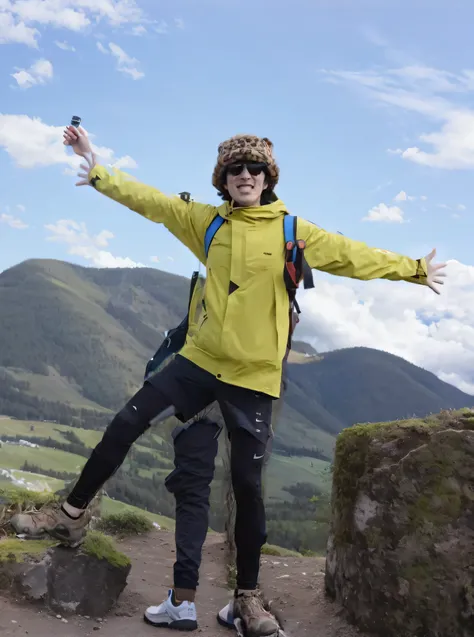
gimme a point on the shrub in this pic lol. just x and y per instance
(125, 523)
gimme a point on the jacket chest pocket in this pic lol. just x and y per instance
(262, 253)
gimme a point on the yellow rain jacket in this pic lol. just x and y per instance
(242, 332)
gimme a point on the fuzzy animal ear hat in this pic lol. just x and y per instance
(245, 148)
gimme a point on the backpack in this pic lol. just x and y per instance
(296, 268)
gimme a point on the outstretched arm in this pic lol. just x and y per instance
(339, 255)
(186, 221)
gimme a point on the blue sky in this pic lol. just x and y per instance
(368, 105)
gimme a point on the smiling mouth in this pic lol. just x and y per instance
(245, 186)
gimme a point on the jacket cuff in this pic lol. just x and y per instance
(421, 270)
(421, 273)
(96, 174)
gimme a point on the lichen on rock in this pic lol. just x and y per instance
(401, 546)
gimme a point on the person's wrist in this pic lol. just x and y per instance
(91, 159)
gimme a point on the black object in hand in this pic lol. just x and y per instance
(75, 121)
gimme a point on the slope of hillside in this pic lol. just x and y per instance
(365, 385)
(96, 328)
(74, 342)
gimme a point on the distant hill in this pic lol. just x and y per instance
(74, 342)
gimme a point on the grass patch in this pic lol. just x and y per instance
(272, 549)
(110, 506)
(102, 547)
(15, 500)
(25, 499)
(125, 523)
(14, 550)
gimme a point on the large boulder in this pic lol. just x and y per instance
(401, 546)
(84, 581)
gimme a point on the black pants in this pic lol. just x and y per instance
(247, 415)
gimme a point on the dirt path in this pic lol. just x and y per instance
(295, 585)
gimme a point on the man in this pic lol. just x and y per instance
(233, 355)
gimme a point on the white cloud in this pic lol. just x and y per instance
(125, 63)
(402, 196)
(20, 207)
(65, 46)
(13, 222)
(139, 30)
(434, 332)
(16, 31)
(382, 212)
(179, 23)
(154, 259)
(16, 16)
(40, 72)
(32, 144)
(88, 246)
(124, 163)
(162, 28)
(433, 94)
(461, 207)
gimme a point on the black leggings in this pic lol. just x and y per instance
(195, 452)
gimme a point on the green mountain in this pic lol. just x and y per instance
(74, 342)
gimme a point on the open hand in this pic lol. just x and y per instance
(434, 275)
(79, 142)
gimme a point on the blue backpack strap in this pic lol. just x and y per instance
(213, 227)
(289, 229)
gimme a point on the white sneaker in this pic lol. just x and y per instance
(167, 615)
(225, 617)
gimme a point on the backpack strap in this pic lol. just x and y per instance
(213, 227)
(296, 268)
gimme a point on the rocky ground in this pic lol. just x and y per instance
(296, 586)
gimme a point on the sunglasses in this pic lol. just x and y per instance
(254, 168)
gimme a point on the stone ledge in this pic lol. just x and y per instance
(401, 546)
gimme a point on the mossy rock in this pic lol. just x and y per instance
(401, 546)
(102, 547)
(87, 580)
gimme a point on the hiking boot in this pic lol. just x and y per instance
(170, 615)
(258, 622)
(52, 521)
